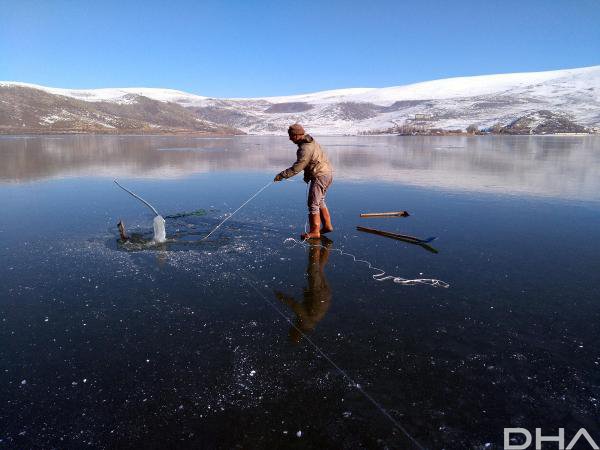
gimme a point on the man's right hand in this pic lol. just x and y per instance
(278, 177)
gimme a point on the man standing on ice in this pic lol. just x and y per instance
(311, 158)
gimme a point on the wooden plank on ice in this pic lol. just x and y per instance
(386, 214)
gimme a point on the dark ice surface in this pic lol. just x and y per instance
(201, 344)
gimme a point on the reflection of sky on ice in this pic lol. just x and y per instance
(174, 344)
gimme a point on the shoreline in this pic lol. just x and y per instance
(216, 134)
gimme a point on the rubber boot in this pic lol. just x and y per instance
(315, 223)
(325, 220)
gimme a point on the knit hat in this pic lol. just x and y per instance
(296, 129)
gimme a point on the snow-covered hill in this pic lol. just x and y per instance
(453, 103)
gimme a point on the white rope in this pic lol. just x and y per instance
(378, 276)
(139, 198)
(243, 204)
(381, 275)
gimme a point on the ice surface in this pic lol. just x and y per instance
(177, 341)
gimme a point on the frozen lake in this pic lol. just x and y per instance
(200, 343)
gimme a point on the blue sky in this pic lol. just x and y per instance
(258, 48)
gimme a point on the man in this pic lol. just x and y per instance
(318, 172)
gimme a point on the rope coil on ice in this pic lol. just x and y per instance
(381, 276)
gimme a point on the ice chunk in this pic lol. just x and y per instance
(160, 234)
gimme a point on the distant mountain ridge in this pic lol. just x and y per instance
(569, 100)
(31, 110)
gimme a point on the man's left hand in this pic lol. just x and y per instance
(278, 177)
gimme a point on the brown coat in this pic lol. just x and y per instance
(311, 158)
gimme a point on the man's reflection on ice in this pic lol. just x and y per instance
(317, 295)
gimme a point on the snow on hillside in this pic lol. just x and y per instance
(452, 103)
(473, 86)
(115, 95)
(428, 90)
(442, 89)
